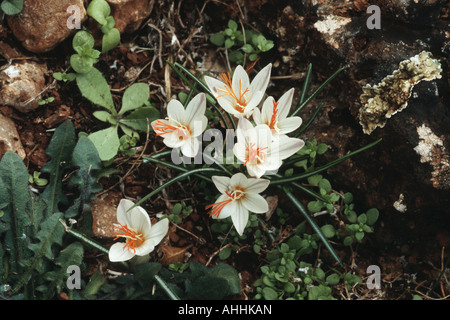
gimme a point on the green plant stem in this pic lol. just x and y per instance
(305, 85)
(312, 223)
(303, 104)
(172, 295)
(173, 166)
(178, 178)
(309, 122)
(323, 168)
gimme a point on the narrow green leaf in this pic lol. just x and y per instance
(60, 151)
(316, 92)
(15, 193)
(313, 224)
(86, 158)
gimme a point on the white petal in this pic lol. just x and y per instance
(261, 80)
(289, 124)
(255, 203)
(175, 111)
(240, 151)
(238, 180)
(285, 103)
(240, 81)
(190, 147)
(196, 108)
(267, 110)
(221, 183)
(257, 117)
(172, 140)
(257, 185)
(264, 136)
(286, 147)
(139, 219)
(240, 218)
(255, 170)
(122, 208)
(214, 85)
(145, 248)
(158, 231)
(117, 253)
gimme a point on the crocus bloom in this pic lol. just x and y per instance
(258, 151)
(182, 127)
(239, 196)
(237, 95)
(140, 236)
(275, 115)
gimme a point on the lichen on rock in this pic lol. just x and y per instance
(390, 96)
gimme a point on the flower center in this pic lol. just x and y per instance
(237, 194)
(255, 155)
(240, 98)
(133, 238)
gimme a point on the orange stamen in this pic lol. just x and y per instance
(163, 128)
(134, 239)
(216, 208)
(253, 153)
(274, 115)
(240, 105)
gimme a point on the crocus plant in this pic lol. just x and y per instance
(182, 127)
(135, 227)
(239, 196)
(237, 95)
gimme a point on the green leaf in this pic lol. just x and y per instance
(83, 39)
(228, 273)
(229, 43)
(110, 40)
(328, 230)
(70, 255)
(94, 87)
(315, 179)
(104, 116)
(99, 10)
(107, 142)
(225, 253)
(15, 194)
(12, 7)
(232, 25)
(295, 242)
(362, 218)
(86, 158)
(137, 119)
(359, 236)
(134, 97)
(348, 240)
(51, 232)
(325, 186)
(333, 279)
(60, 151)
(217, 39)
(269, 293)
(110, 24)
(348, 198)
(372, 216)
(81, 64)
(320, 273)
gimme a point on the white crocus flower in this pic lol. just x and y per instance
(275, 115)
(237, 95)
(239, 196)
(259, 152)
(140, 236)
(182, 127)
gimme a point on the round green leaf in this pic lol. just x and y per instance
(269, 293)
(110, 40)
(328, 230)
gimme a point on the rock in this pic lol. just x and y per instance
(42, 25)
(21, 85)
(104, 214)
(9, 138)
(129, 14)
